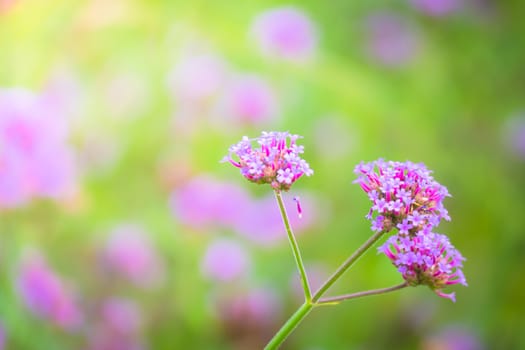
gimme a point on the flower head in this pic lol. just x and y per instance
(390, 40)
(36, 159)
(130, 253)
(404, 194)
(437, 8)
(46, 295)
(276, 160)
(225, 261)
(249, 99)
(285, 32)
(429, 259)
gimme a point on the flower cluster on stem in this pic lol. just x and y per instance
(428, 259)
(275, 161)
(406, 196)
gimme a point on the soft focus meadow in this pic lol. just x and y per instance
(121, 229)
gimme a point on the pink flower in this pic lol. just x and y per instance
(437, 7)
(2, 337)
(514, 134)
(130, 253)
(204, 202)
(248, 99)
(45, 294)
(258, 306)
(197, 77)
(35, 159)
(275, 160)
(119, 327)
(121, 316)
(453, 338)
(261, 221)
(390, 40)
(225, 260)
(426, 259)
(285, 32)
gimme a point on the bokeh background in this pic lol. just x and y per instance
(121, 229)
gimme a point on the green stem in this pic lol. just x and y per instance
(310, 302)
(346, 265)
(295, 248)
(338, 299)
(289, 326)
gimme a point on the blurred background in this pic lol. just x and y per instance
(121, 229)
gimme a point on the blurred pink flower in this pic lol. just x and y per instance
(197, 77)
(225, 260)
(285, 32)
(248, 318)
(248, 99)
(262, 305)
(204, 202)
(119, 327)
(437, 7)
(2, 336)
(13, 188)
(514, 134)
(35, 159)
(390, 39)
(453, 338)
(122, 316)
(45, 294)
(261, 220)
(130, 253)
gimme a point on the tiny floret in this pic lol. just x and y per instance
(275, 160)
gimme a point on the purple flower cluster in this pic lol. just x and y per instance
(36, 159)
(46, 295)
(286, 33)
(429, 259)
(405, 196)
(204, 204)
(276, 161)
(130, 253)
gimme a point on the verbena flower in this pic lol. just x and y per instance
(46, 295)
(36, 159)
(275, 161)
(390, 40)
(426, 258)
(437, 8)
(118, 326)
(249, 99)
(404, 195)
(225, 261)
(130, 253)
(285, 32)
